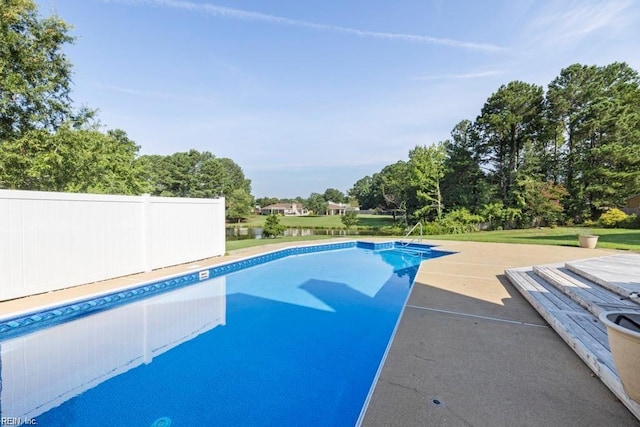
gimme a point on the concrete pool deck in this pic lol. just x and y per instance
(469, 349)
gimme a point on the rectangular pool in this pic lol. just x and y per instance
(294, 337)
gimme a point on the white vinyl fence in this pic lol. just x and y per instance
(44, 369)
(51, 241)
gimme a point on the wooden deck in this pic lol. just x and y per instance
(571, 296)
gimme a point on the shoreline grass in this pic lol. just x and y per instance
(610, 238)
(324, 221)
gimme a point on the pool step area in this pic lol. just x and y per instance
(571, 296)
(414, 249)
(424, 253)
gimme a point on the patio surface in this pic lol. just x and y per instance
(469, 349)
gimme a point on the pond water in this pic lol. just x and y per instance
(245, 233)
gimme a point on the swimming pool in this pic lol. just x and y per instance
(290, 337)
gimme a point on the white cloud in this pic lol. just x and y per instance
(561, 23)
(158, 95)
(462, 76)
(558, 34)
(231, 13)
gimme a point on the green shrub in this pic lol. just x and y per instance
(431, 228)
(463, 216)
(393, 230)
(272, 227)
(455, 222)
(500, 217)
(461, 221)
(612, 218)
(349, 219)
(632, 221)
(493, 214)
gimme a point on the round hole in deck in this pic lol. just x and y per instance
(437, 402)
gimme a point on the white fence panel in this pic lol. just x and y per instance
(44, 369)
(191, 225)
(51, 241)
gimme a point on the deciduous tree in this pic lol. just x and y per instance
(35, 73)
(72, 160)
(366, 192)
(334, 195)
(239, 204)
(266, 201)
(393, 182)
(426, 169)
(194, 174)
(541, 202)
(316, 203)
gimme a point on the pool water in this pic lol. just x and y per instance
(294, 341)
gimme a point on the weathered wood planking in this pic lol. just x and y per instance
(589, 295)
(570, 304)
(618, 273)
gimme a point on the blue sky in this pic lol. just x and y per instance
(307, 95)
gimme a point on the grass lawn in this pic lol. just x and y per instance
(561, 236)
(610, 238)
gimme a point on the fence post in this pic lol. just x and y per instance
(144, 231)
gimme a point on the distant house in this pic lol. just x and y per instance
(633, 205)
(338, 208)
(287, 209)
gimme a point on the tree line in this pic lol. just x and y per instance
(531, 157)
(47, 144)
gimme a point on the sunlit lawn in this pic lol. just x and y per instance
(561, 236)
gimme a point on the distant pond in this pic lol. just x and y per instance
(244, 233)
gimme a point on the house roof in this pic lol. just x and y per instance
(633, 200)
(279, 206)
(333, 205)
